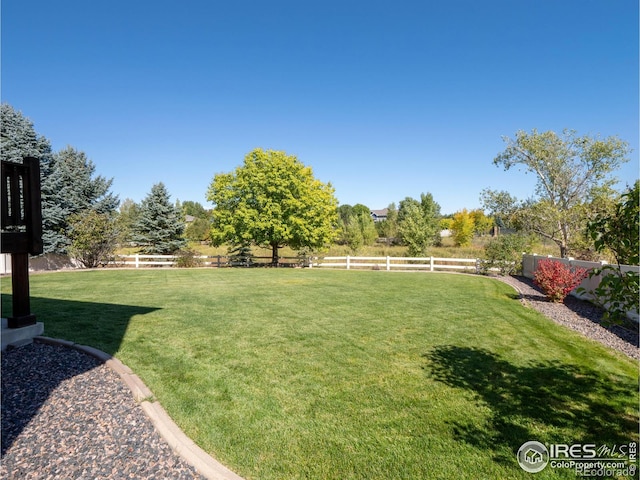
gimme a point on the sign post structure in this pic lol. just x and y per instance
(21, 230)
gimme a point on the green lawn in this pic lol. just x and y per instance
(293, 373)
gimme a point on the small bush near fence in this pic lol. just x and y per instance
(187, 259)
(504, 254)
(557, 279)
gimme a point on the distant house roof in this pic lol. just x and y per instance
(379, 215)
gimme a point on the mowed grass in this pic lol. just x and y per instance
(290, 373)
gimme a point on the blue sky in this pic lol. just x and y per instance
(383, 99)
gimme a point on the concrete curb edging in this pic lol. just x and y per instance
(205, 464)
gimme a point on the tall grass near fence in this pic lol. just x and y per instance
(348, 374)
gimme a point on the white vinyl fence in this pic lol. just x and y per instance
(140, 261)
(430, 264)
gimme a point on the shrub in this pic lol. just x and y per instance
(93, 237)
(557, 279)
(505, 254)
(187, 259)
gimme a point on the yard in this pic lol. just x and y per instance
(341, 374)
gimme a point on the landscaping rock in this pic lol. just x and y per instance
(67, 415)
(579, 315)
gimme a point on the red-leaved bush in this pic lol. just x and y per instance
(557, 279)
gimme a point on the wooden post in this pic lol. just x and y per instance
(21, 224)
(22, 315)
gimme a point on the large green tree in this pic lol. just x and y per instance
(356, 227)
(571, 172)
(159, 227)
(419, 223)
(197, 228)
(388, 228)
(272, 200)
(463, 228)
(128, 215)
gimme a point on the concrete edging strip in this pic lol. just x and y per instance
(204, 463)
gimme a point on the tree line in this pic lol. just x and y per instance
(274, 200)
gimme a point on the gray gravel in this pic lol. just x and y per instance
(579, 315)
(65, 415)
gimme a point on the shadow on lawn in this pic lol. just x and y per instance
(32, 372)
(564, 403)
(100, 325)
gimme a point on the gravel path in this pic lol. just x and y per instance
(578, 315)
(66, 415)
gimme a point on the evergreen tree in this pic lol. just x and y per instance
(72, 188)
(67, 182)
(159, 227)
(19, 139)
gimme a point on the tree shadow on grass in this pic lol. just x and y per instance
(544, 401)
(32, 372)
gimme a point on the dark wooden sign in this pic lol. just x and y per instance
(21, 224)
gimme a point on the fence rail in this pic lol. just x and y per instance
(219, 261)
(400, 263)
(379, 263)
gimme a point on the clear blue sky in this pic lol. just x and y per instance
(383, 99)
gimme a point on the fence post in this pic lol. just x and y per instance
(348, 262)
(388, 263)
(137, 260)
(431, 263)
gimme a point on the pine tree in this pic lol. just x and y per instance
(19, 139)
(67, 182)
(159, 228)
(72, 188)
